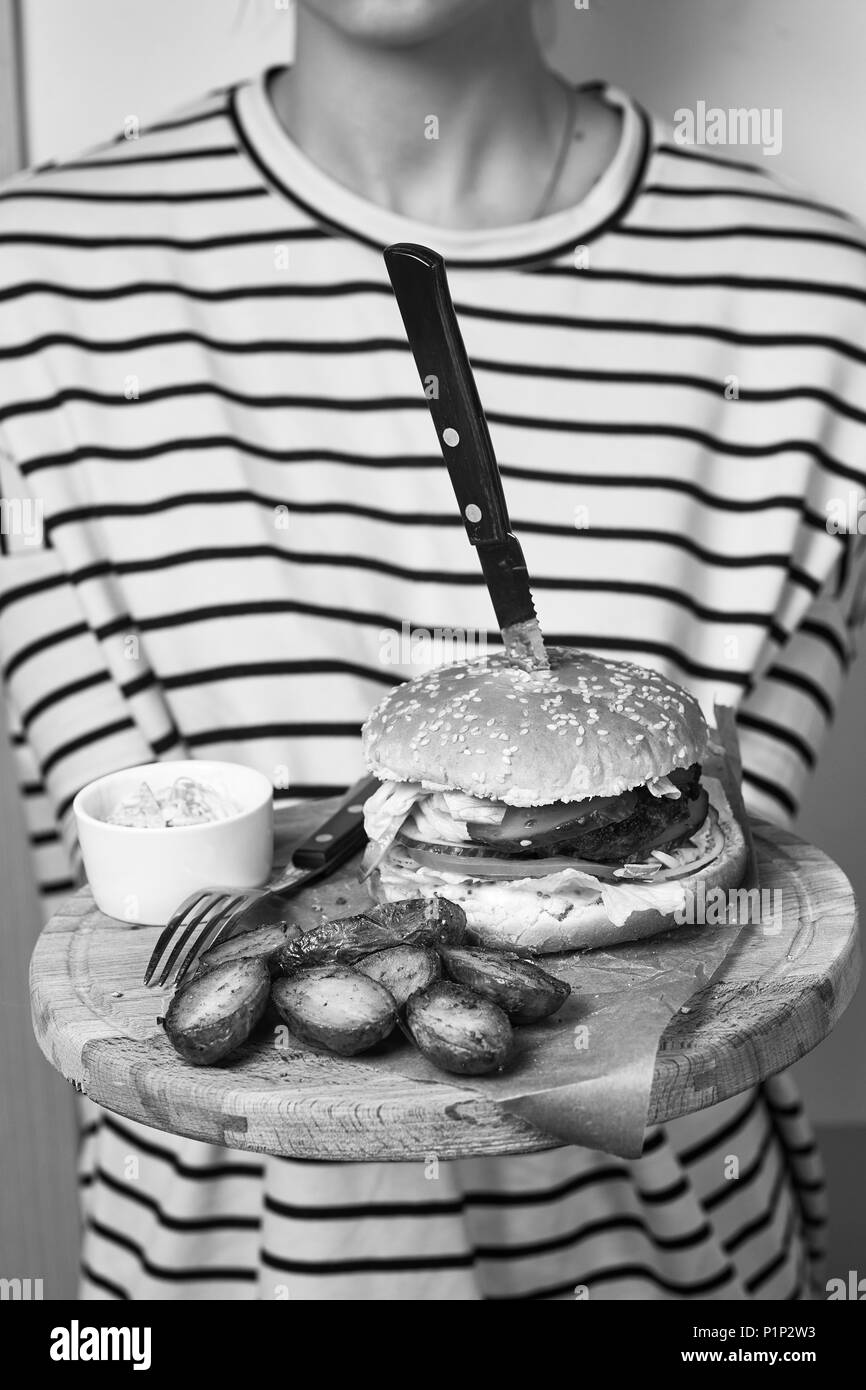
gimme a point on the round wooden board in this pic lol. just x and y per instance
(775, 997)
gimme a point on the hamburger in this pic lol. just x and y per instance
(562, 808)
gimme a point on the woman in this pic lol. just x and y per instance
(208, 393)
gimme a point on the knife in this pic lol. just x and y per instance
(420, 286)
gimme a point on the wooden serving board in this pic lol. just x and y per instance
(775, 997)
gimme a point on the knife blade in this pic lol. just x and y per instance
(420, 287)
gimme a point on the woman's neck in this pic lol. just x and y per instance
(460, 131)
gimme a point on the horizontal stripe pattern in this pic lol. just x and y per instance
(228, 531)
(652, 1229)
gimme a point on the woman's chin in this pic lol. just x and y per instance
(394, 23)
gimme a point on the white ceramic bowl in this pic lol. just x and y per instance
(141, 875)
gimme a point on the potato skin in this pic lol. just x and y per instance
(261, 943)
(520, 987)
(418, 917)
(458, 1030)
(217, 1011)
(414, 922)
(334, 1007)
(403, 970)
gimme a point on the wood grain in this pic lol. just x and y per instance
(776, 996)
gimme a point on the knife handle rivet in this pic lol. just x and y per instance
(473, 513)
(323, 839)
(450, 437)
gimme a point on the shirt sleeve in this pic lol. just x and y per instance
(69, 718)
(784, 719)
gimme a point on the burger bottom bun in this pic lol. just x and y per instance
(507, 913)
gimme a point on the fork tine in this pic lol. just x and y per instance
(211, 900)
(226, 919)
(168, 931)
(213, 931)
(186, 906)
(233, 914)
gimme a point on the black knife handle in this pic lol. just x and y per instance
(341, 834)
(420, 285)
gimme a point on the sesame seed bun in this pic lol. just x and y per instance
(586, 727)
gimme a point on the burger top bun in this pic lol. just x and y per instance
(586, 727)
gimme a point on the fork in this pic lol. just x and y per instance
(211, 915)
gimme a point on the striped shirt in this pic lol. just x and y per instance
(227, 529)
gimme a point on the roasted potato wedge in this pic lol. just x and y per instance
(415, 922)
(458, 1030)
(342, 940)
(262, 943)
(519, 986)
(403, 970)
(217, 1011)
(336, 1008)
(442, 919)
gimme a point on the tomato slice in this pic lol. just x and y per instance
(472, 862)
